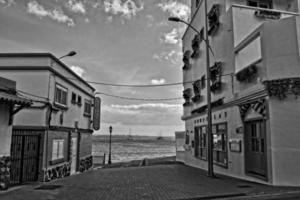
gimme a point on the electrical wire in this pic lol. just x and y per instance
(125, 85)
(115, 96)
(138, 99)
(133, 85)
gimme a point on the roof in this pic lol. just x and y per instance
(6, 97)
(52, 57)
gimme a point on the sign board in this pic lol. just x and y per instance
(235, 145)
(97, 113)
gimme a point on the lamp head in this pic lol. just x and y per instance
(174, 19)
(71, 53)
(110, 129)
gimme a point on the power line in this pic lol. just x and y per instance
(138, 99)
(146, 85)
(110, 95)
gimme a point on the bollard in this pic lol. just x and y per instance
(103, 159)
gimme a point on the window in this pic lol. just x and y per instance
(260, 3)
(201, 142)
(79, 102)
(57, 149)
(220, 143)
(73, 100)
(61, 94)
(87, 108)
(187, 137)
(197, 3)
(213, 19)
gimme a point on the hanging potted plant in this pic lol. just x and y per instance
(247, 74)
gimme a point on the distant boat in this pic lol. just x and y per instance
(160, 136)
(129, 135)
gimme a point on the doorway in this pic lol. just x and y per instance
(24, 156)
(73, 155)
(255, 149)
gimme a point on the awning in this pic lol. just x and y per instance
(11, 98)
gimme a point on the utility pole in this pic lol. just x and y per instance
(209, 122)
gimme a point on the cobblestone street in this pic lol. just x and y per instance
(153, 182)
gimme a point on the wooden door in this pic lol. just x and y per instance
(24, 157)
(73, 155)
(255, 148)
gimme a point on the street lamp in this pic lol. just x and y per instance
(209, 121)
(109, 154)
(71, 53)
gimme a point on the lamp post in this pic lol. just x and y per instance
(71, 53)
(209, 120)
(109, 154)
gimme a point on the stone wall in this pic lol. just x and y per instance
(57, 172)
(4, 172)
(85, 163)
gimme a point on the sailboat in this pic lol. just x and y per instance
(159, 136)
(129, 135)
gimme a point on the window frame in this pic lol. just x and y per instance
(269, 4)
(59, 155)
(201, 142)
(224, 144)
(79, 103)
(73, 100)
(89, 112)
(56, 100)
(197, 3)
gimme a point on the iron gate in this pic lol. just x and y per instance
(24, 157)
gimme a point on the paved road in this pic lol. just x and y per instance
(160, 182)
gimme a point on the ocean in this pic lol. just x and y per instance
(127, 148)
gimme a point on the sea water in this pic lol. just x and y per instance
(127, 148)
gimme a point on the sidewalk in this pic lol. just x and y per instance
(158, 182)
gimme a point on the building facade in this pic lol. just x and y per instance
(53, 137)
(255, 82)
(10, 105)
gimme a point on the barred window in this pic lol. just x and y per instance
(87, 107)
(61, 94)
(57, 149)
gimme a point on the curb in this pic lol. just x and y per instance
(274, 196)
(219, 196)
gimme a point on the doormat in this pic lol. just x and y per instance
(48, 187)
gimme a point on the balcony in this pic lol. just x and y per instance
(247, 19)
(266, 47)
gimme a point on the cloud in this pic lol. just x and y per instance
(172, 56)
(7, 2)
(126, 9)
(171, 37)
(143, 114)
(33, 7)
(76, 6)
(176, 9)
(78, 70)
(158, 82)
(148, 106)
(150, 20)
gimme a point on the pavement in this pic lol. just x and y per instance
(157, 182)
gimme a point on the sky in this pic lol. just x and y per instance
(117, 41)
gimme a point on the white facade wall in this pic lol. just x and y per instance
(241, 40)
(40, 85)
(5, 130)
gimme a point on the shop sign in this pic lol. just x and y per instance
(96, 117)
(235, 145)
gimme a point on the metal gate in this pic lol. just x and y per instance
(24, 156)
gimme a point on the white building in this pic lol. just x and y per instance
(255, 69)
(55, 133)
(10, 105)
